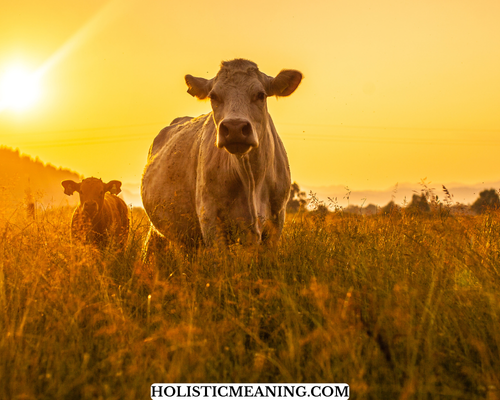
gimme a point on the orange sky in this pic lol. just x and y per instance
(394, 91)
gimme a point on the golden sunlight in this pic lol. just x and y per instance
(19, 89)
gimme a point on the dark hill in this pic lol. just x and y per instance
(22, 177)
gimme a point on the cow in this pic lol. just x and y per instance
(222, 177)
(101, 218)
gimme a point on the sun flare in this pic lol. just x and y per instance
(19, 89)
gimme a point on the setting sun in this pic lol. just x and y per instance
(19, 89)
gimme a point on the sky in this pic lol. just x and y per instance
(393, 91)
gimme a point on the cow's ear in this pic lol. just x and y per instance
(113, 187)
(285, 83)
(70, 187)
(199, 87)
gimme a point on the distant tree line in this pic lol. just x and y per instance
(423, 203)
(24, 180)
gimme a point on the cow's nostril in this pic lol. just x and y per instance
(223, 130)
(247, 129)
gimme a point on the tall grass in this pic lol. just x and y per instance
(398, 306)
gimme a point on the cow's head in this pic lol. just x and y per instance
(238, 95)
(92, 191)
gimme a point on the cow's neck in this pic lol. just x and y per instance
(252, 169)
(248, 180)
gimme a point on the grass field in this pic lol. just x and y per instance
(399, 306)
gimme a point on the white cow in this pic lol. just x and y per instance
(224, 175)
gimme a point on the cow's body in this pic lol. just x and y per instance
(101, 218)
(193, 189)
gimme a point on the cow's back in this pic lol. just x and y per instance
(169, 182)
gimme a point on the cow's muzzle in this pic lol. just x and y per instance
(90, 208)
(237, 136)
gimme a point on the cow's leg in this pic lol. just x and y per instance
(212, 232)
(273, 228)
(154, 245)
(215, 232)
(224, 231)
(242, 231)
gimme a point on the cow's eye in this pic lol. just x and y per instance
(260, 96)
(214, 97)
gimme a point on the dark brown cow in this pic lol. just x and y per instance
(226, 171)
(101, 218)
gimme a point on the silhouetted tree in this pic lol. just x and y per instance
(487, 199)
(419, 204)
(370, 209)
(297, 200)
(352, 209)
(319, 213)
(390, 208)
